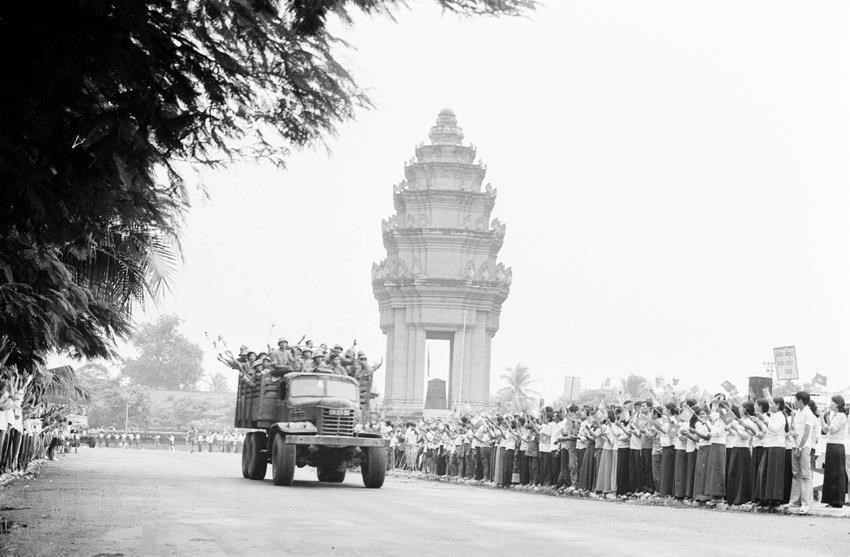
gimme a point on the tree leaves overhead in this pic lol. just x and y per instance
(102, 101)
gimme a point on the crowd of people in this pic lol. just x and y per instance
(214, 441)
(759, 452)
(301, 357)
(218, 441)
(29, 430)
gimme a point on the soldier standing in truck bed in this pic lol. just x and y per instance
(281, 359)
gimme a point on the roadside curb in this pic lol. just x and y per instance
(817, 510)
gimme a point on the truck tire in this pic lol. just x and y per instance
(373, 466)
(330, 474)
(283, 461)
(253, 462)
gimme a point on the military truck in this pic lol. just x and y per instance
(307, 419)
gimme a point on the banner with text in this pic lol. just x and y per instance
(785, 358)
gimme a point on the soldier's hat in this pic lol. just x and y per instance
(338, 347)
(281, 339)
(318, 355)
(306, 349)
(243, 350)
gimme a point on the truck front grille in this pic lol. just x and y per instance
(337, 424)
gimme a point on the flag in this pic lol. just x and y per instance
(819, 379)
(729, 387)
(659, 381)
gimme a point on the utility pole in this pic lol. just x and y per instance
(127, 409)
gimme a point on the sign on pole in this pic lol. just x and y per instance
(785, 358)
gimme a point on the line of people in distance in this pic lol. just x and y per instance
(760, 452)
(219, 441)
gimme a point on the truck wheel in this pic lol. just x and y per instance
(373, 466)
(330, 474)
(253, 462)
(283, 461)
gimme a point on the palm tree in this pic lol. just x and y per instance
(217, 383)
(517, 391)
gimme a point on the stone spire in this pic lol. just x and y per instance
(446, 131)
(441, 278)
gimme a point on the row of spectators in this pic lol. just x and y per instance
(760, 452)
(222, 441)
(24, 440)
(30, 429)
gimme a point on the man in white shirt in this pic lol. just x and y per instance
(804, 425)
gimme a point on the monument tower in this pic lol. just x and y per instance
(440, 279)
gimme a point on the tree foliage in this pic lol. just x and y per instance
(101, 100)
(217, 383)
(167, 359)
(109, 398)
(636, 387)
(518, 392)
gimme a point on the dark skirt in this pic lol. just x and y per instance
(656, 471)
(507, 466)
(739, 483)
(715, 475)
(668, 470)
(623, 484)
(648, 481)
(681, 467)
(786, 494)
(771, 476)
(691, 459)
(699, 473)
(635, 470)
(834, 475)
(758, 488)
(587, 471)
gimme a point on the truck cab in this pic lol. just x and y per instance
(306, 419)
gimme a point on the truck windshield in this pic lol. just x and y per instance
(323, 387)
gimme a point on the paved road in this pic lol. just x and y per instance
(139, 502)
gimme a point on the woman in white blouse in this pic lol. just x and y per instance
(771, 476)
(834, 426)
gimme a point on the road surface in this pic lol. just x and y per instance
(144, 502)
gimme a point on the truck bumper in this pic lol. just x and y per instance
(333, 441)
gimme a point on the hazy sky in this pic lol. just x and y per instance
(673, 175)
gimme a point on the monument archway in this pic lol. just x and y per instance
(440, 279)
